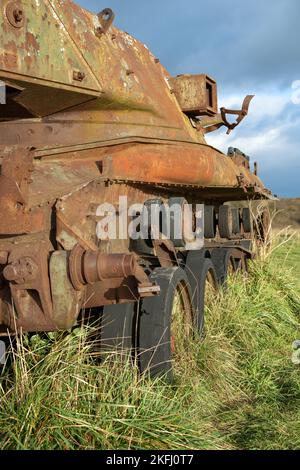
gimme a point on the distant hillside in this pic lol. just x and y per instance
(288, 213)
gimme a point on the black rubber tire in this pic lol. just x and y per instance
(117, 325)
(221, 258)
(210, 222)
(193, 265)
(154, 328)
(205, 268)
(236, 220)
(247, 220)
(225, 222)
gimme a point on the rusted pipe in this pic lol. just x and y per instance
(89, 267)
(100, 266)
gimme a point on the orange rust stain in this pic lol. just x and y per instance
(31, 41)
(11, 47)
(28, 60)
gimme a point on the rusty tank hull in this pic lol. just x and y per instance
(91, 115)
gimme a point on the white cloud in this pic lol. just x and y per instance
(265, 104)
(265, 131)
(250, 144)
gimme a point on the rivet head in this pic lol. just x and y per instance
(78, 76)
(15, 14)
(18, 15)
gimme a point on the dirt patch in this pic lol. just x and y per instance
(288, 213)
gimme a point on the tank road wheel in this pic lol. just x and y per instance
(224, 263)
(117, 329)
(236, 220)
(182, 321)
(199, 270)
(177, 224)
(181, 222)
(210, 222)
(225, 222)
(165, 323)
(247, 220)
(208, 285)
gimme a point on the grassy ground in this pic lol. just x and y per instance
(236, 390)
(289, 256)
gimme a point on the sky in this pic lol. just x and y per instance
(249, 48)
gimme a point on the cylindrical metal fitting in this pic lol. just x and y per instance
(89, 267)
(100, 266)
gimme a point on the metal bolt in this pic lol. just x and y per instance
(15, 14)
(78, 76)
(11, 273)
(18, 15)
(21, 271)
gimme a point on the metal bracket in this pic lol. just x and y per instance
(28, 277)
(212, 124)
(106, 18)
(241, 113)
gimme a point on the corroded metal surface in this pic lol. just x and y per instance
(196, 94)
(91, 115)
